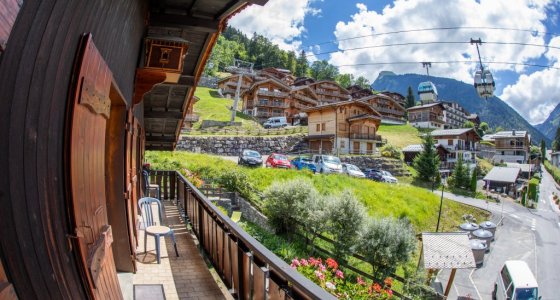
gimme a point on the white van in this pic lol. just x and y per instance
(516, 282)
(327, 164)
(275, 122)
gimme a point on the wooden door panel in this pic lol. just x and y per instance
(90, 113)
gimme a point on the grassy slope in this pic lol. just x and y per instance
(400, 135)
(381, 199)
(210, 107)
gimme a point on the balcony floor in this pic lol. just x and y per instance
(183, 277)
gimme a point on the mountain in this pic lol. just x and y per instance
(548, 127)
(493, 111)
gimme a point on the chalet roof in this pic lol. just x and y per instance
(420, 148)
(510, 134)
(363, 117)
(305, 87)
(273, 80)
(343, 103)
(199, 23)
(331, 82)
(525, 168)
(503, 174)
(303, 81)
(381, 95)
(234, 76)
(472, 116)
(445, 132)
(447, 250)
(418, 107)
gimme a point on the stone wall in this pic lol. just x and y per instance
(394, 166)
(233, 145)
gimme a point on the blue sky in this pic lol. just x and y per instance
(319, 26)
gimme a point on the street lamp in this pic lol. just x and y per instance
(443, 181)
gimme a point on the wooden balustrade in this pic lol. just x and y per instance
(247, 268)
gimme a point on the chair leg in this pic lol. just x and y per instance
(157, 249)
(145, 240)
(174, 243)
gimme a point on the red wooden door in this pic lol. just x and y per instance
(90, 112)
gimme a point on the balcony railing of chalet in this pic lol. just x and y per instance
(428, 119)
(234, 85)
(389, 111)
(268, 114)
(304, 98)
(462, 147)
(192, 118)
(272, 104)
(365, 136)
(399, 119)
(272, 93)
(507, 145)
(299, 105)
(247, 268)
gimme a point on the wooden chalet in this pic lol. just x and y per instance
(87, 87)
(427, 115)
(267, 98)
(391, 111)
(280, 74)
(463, 142)
(301, 98)
(397, 97)
(227, 86)
(329, 91)
(411, 151)
(343, 127)
(358, 92)
(303, 81)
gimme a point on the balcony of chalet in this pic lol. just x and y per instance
(304, 98)
(217, 259)
(272, 93)
(278, 104)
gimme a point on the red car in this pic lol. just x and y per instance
(276, 160)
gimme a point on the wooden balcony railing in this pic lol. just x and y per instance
(304, 98)
(365, 136)
(247, 268)
(268, 114)
(272, 104)
(272, 93)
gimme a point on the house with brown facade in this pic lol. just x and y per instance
(411, 151)
(301, 98)
(329, 91)
(462, 143)
(511, 146)
(427, 115)
(267, 98)
(391, 111)
(343, 127)
(280, 74)
(454, 115)
(397, 97)
(227, 86)
(358, 92)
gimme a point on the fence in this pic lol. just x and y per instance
(236, 131)
(248, 269)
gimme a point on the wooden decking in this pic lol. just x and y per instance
(184, 277)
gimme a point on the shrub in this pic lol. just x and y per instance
(460, 177)
(332, 279)
(317, 216)
(346, 216)
(532, 193)
(285, 203)
(386, 243)
(390, 151)
(237, 180)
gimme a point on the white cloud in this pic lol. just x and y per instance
(281, 21)
(534, 96)
(413, 15)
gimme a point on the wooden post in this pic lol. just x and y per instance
(450, 282)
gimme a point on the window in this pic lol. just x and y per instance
(450, 142)
(323, 126)
(318, 127)
(342, 144)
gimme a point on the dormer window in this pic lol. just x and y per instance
(164, 58)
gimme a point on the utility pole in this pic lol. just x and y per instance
(427, 65)
(241, 68)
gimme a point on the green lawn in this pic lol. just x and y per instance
(400, 135)
(381, 199)
(211, 107)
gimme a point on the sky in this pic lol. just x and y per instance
(366, 37)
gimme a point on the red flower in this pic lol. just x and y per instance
(331, 263)
(388, 282)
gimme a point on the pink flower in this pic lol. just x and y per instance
(361, 281)
(339, 274)
(322, 268)
(304, 262)
(312, 261)
(295, 263)
(320, 275)
(390, 292)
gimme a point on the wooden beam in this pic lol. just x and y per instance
(450, 282)
(160, 139)
(187, 80)
(184, 21)
(154, 114)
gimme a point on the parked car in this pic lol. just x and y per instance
(327, 164)
(250, 158)
(275, 122)
(516, 281)
(276, 160)
(352, 170)
(388, 177)
(301, 162)
(374, 175)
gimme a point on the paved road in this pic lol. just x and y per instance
(532, 235)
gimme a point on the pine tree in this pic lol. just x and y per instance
(474, 180)
(427, 162)
(460, 176)
(556, 142)
(302, 66)
(410, 101)
(543, 151)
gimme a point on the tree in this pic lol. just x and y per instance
(543, 150)
(468, 124)
(386, 243)
(484, 127)
(363, 82)
(460, 177)
(426, 163)
(410, 100)
(302, 66)
(498, 129)
(346, 216)
(345, 80)
(322, 70)
(556, 142)
(474, 179)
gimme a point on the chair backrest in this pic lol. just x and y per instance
(145, 208)
(146, 177)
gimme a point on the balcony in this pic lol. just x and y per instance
(272, 104)
(389, 111)
(300, 106)
(266, 114)
(365, 136)
(272, 94)
(304, 98)
(234, 85)
(244, 265)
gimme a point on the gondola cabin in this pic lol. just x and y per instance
(484, 83)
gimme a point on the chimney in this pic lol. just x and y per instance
(513, 132)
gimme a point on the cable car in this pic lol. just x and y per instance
(484, 83)
(427, 91)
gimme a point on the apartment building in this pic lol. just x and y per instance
(427, 116)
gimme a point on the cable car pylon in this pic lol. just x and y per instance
(483, 79)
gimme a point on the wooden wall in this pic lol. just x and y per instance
(35, 72)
